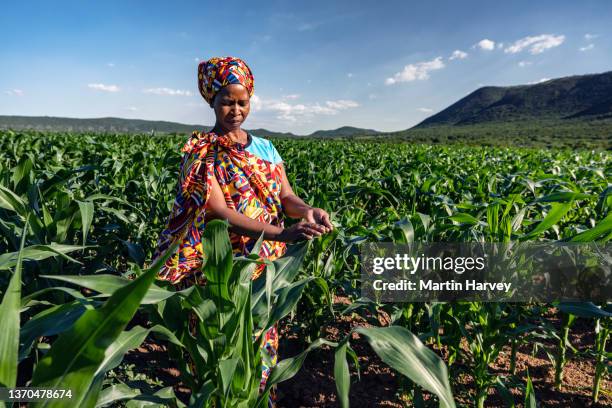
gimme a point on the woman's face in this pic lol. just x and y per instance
(232, 106)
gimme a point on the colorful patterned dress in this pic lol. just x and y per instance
(250, 185)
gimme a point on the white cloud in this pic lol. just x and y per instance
(418, 71)
(590, 37)
(425, 110)
(14, 92)
(341, 104)
(350, 75)
(110, 65)
(291, 96)
(485, 44)
(523, 64)
(294, 112)
(372, 96)
(587, 48)
(536, 44)
(167, 91)
(458, 54)
(104, 87)
(131, 108)
(539, 81)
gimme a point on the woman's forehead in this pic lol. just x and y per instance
(234, 91)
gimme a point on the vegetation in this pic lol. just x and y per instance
(80, 215)
(580, 96)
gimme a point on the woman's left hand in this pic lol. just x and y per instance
(319, 216)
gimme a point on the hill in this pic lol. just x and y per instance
(345, 131)
(119, 125)
(109, 124)
(576, 97)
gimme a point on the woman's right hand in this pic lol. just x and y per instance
(303, 230)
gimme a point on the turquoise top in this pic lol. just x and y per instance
(263, 148)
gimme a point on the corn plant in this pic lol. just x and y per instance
(96, 204)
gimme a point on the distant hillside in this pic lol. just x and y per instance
(344, 132)
(574, 97)
(269, 133)
(95, 125)
(119, 125)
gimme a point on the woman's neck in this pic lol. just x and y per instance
(236, 136)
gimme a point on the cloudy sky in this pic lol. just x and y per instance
(317, 64)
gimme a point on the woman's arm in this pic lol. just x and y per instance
(243, 225)
(295, 207)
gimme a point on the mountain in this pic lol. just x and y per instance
(95, 125)
(345, 131)
(119, 125)
(269, 133)
(573, 97)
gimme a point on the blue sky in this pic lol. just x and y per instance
(384, 65)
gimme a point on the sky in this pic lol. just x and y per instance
(318, 65)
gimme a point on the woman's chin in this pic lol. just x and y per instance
(231, 126)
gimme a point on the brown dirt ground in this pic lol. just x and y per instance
(314, 384)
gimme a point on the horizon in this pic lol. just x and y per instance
(114, 60)
(316, 130)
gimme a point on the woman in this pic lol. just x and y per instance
(230, 174)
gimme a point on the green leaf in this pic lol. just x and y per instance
(404, 231)
(404, 352)
(116, 393)
(517, 220)
(563, 197)
(117, 213)
(286, 301)
(122, 392)
(464, 218)
(12, 202)
(587, 310)
(530, 399)
(38, 253)
(87, 213)
(227, 368)
(217, 267)
(504, 393)
(76, 355)
(72, 292)
(108, 284)
(127, 340)
(49, 322)
(23, 168)
(288, 266)
(557, 211)
(9, 311)
(342, 374)
(289, 367)
(603, 227)
(167, 335)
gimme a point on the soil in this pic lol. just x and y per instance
(378, 386)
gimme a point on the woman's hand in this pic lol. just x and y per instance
(320, 217)
(301, 231)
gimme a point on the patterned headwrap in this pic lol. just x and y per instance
(219, 72)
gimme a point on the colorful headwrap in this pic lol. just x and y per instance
(219, 72)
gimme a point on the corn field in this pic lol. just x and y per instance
(80, 215)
